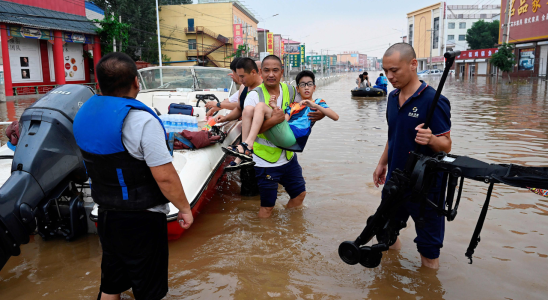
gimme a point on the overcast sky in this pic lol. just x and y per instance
(342, 25)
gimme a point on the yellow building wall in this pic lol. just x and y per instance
(215, 17)
(252, 41)
(423, 22)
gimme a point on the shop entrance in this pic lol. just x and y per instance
(472, 70)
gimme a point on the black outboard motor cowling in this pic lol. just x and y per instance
(47, 163)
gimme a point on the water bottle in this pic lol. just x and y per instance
(195, 124)
(186, 122)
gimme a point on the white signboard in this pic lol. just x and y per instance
(74, 62)
(25, 60)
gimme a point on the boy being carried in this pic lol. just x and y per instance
(292, 134)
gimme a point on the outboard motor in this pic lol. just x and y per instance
(41, 194)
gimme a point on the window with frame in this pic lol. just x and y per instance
(436, 33)
(462, 37)
(191, 44)
(451, 25)
(450, 37)
(411, 34)
(462, 25)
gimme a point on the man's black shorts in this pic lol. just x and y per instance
(135, 253)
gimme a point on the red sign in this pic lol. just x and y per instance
(238, 36)
(528, 20)
(277, 42)
(473, 54)
(67, 66)
(436, 59)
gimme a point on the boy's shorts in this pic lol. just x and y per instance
(429, 238)
(281, 135)
(289, 175)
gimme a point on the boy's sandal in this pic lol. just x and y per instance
(233, 151)
(233, 166)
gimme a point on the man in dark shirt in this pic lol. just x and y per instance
(406, 112)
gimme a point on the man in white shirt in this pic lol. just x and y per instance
(275, 166)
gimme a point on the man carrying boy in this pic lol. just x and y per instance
(272, 164)
(406, 112)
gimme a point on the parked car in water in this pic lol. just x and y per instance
(432, 72)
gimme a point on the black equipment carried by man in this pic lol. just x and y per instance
(419, 175)
(44, 192)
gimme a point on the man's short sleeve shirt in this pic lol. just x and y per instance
(403, 120)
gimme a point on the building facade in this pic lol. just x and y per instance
(528, 32)
(475, 63)
(51, 45)
(460, 18)
(353, 59)
(208, 32)
(426, 29)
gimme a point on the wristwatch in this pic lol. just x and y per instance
(219, 104)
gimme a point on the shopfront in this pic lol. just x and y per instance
(42, 53)
(528, 32)
(475, 63)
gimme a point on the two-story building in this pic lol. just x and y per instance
(208, 32)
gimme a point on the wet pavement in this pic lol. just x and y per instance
(230, 254)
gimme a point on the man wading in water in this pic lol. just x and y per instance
(406, 112)
(273, 165)
(123, 143)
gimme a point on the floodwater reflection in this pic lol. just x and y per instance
(230, 254)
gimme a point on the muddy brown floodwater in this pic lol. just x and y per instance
(230, 254)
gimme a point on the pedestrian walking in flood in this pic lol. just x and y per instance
(407, 108)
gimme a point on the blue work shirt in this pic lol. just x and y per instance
(402, 122)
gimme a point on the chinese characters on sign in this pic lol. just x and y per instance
(238, 36)
(528, 20)
(302, 54)
(270, 43)
(295, 60)
(472, 54)
(25, 60)
(277, 41)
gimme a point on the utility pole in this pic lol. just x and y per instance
(120, 20)
(321, 60)
(506, 22)
(159, 43)
(431, 44)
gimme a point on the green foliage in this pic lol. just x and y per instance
(504, 58)
(111, 29)
(240, 52)
(483, 35)
(140, 15)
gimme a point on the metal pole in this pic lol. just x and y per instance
(120, 20)
(506, 21)
(431, 44)
(158, 28)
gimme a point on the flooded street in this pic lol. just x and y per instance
(230, 254)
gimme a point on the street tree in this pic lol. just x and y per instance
(504, 59)
(483, 35)
(140, 16)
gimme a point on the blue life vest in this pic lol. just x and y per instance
(384, 80)
(118, 180)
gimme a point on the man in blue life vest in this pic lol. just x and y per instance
(123, 143)
(382, 83)
(406, 111)
(273, 165)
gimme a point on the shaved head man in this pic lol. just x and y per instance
(406, 111)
